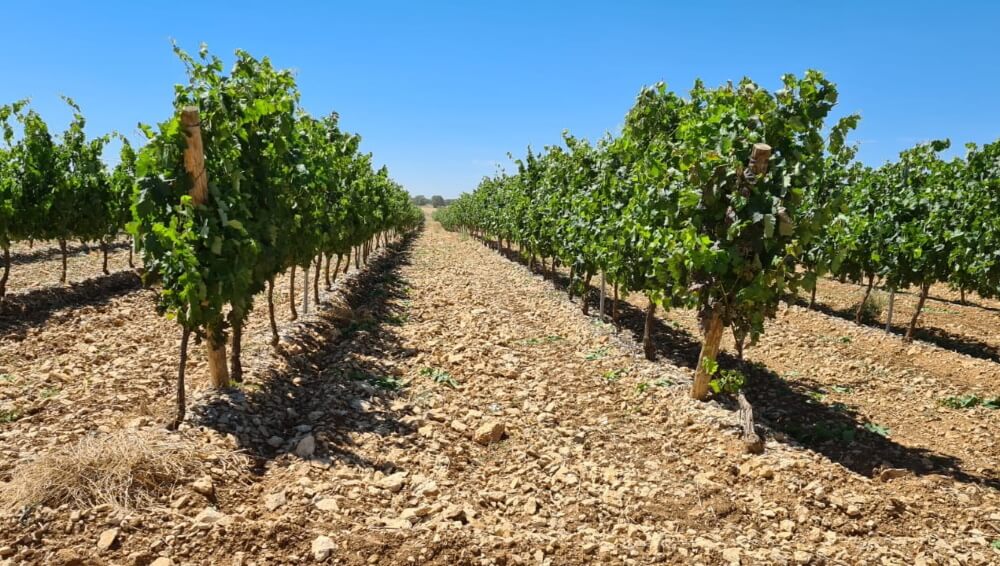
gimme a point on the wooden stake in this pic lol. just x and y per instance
(194, 164)
(305, 293)
(603, 293)
(218, 365)
(194, 154)
(759, 157)
(291, 294)
(888, 320)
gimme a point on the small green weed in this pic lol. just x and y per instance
(824, 432)
(873, 308)
(816, 395)
(6, 378)
(845, 339)
(49, 392)
(9, 415)
(387, 382)
(397, 319)
(969, 401)
(728, 381)
(597, 354)
(939, 310)
(878, 429)
(663, 382)
(839, 407)
(613, 375)
(995, 544)
(356, 326)
(439, 376)
(842, 389)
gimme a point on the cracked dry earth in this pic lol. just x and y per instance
(455, 408)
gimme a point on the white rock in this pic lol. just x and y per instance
(327, 504)
(428, 489)
(393, 483)
(107, 539)
(204, 486)
(275, 500)
(210, 516)
(323, 547)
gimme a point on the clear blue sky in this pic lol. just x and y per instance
(441, 91)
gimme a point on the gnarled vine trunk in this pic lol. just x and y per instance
(63, 252)
(861, 306)
(104, 254)
(585, 294)
(647, 332)
(924, 290)
(235, 364)
(181, 401)
(6, 271)
(270, 312)
(572, 279)
(708, 355)
(326, 273)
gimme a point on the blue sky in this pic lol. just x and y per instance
(441, 91)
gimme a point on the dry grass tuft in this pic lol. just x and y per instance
(125, 469)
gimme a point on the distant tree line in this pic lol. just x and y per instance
(437, 201)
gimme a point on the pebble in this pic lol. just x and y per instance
(322, 548)
(275, 500)
(107, 539)
(489, 432)
(306, 447)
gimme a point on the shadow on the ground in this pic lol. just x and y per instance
(336, 379)
(49, 251)
(941, 338)
(968, 302)
(20, 311)
(792, 407)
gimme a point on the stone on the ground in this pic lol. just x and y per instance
(306, 447)
(204, 486)
(107, 539)
(274, 500)
(393, 482)
(323, 547)
(489, 432)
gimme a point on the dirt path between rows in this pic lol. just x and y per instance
(602, 458)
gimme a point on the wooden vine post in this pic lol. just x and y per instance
(194, 164)
(712, 321)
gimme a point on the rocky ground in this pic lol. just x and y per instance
(447, 406)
